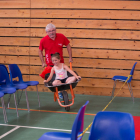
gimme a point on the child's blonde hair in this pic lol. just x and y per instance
(57, 55)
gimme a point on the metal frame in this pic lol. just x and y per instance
(129, 87)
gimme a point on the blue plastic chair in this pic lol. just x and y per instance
(76, 129)
(123, 79)
(112, 126)
(6, 86)
(15, 72)
(3, 106)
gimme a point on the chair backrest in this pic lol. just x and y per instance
(4, 76)
(112, 126)
(132, 72)
(79, 122)
(15, 72)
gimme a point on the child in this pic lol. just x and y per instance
(60, 70)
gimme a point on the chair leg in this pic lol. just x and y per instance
(27, 101)
(4, 110)
(8, 104)
(38, 96)
(131, 92)
(113, 90)
(19, 98)
(16, 104)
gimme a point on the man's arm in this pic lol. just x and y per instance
(69, 52)
(41, 58)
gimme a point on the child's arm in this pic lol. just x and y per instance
(71, 71)
(50, 76)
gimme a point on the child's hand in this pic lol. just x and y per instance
(78, 77)
(45, 81)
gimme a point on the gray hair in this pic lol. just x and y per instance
(50, 26)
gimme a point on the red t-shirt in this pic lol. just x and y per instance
(53, 46)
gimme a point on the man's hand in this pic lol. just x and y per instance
(70, 60)
(69, 52)
(44, 65)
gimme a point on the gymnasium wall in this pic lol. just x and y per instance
(104, 35)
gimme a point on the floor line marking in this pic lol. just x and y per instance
(52, 111)
(9, 132)
(38, 128)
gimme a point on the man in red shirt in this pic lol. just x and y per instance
(52, 43)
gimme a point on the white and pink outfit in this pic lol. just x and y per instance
(61, 73)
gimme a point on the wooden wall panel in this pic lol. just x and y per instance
(94, 63)
(15, 23)
(83, 23)
(14, 41)
(15, 4)
(85, 4)
(23, 68)
(97, 43)
(11, 50)
(14, 31)
(86, 14)
(92, 72)
(14, 59)
(104, 35)
(97, 53)
(83, 33)
(15, 13)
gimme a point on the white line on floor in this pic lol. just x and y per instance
(9, 132)
(39, 128)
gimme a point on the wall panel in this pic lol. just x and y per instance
(90, 23)
(15, 34)
(85, 14)
(15, 4)
(97, 43)
(104, 35)
(86, 4)
(84, 33)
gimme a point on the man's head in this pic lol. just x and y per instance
(51, 31)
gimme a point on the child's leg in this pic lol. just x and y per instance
(56, 82)
(71, 79)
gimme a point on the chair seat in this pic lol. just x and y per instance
(19, 83)
(8, 89)
(120, 78)
(77, 128)
(31, 83)
(1, 94)
(20, 86)
(55, 136)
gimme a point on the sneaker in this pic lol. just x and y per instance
(60, 95)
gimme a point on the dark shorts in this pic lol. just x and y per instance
(63, 80)
(53, 78)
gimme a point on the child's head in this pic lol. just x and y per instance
(56, 55)
(55, 58)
